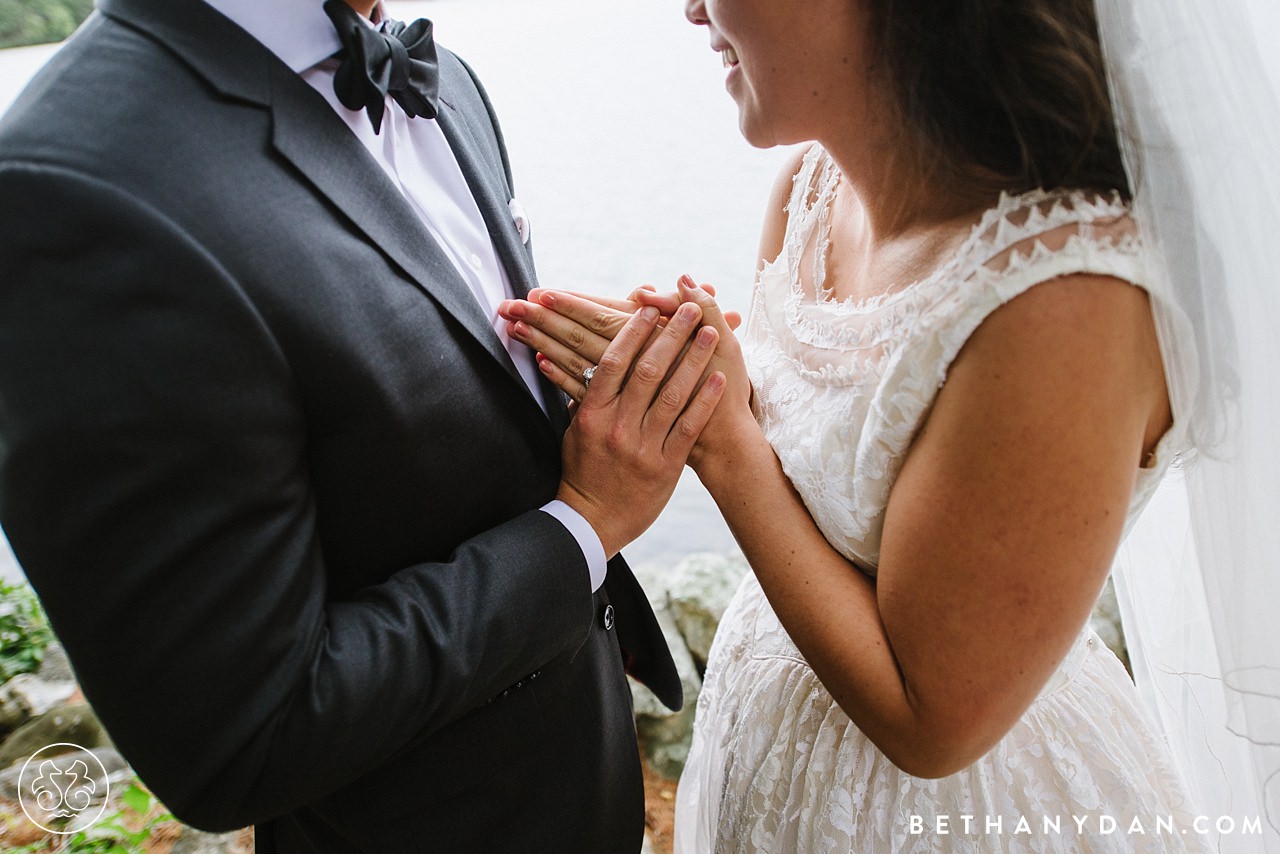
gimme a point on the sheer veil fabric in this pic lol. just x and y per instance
(1196, 93)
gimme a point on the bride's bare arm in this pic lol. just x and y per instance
(998, 534)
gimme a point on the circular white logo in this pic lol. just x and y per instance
(63, 788)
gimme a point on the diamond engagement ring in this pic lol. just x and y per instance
(587, 375)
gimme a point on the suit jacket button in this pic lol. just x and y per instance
(608, 617)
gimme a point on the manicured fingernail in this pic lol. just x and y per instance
(648, 314)
(686, 281)
(519, 330)
(706, 336)
(544, 364)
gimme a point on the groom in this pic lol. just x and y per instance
(283, 487)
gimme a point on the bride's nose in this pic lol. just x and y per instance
(696, 12)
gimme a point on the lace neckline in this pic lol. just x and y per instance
(819, 177)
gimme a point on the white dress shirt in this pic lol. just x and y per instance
(416, 157)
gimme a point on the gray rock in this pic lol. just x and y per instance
(28, 696)
(76, 724)
(192, 841)
(14, 711)
(664, 734)
(698, 591)
(1106, 622)
(655, 578)
(55, 666)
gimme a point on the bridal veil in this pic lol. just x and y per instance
(1197, 90)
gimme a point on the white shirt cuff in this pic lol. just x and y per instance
(588, 540)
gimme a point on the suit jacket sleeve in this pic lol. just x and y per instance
(153, 482)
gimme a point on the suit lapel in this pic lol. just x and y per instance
(485, 181)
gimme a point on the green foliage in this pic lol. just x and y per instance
(24, 629)
(24, 22)
(124, 831)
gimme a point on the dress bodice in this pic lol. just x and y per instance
(843, 386)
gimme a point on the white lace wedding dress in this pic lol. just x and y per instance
(841, 388)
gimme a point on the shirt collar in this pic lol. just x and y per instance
(297, 31)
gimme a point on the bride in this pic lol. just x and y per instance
(965, 375)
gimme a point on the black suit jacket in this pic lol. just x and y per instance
(274, 476)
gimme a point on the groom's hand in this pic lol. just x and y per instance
(637, 423)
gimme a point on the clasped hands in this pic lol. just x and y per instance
(668, 366)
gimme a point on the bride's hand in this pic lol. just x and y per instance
(733, 419)
(668, 302)
(571, 331)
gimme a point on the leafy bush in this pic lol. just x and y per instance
(24, 630)
(24, 22)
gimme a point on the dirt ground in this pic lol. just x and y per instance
(659, 809)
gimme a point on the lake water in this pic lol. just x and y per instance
(626, 156)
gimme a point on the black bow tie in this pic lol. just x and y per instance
(397, 60)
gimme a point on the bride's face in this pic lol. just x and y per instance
(795, 69)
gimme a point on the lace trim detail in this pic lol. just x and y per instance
(809, 218)
(813, 189)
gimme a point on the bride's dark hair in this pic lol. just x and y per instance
(1001, 94)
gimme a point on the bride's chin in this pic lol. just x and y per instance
(762, 144)
(760, 135)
